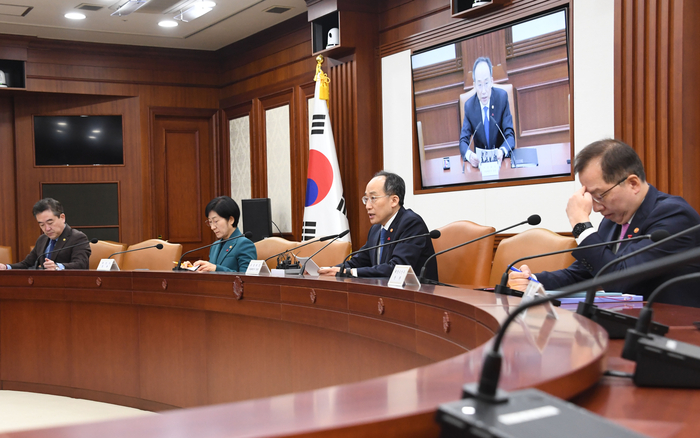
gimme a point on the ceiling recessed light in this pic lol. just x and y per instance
(167, 23)
(75, 16)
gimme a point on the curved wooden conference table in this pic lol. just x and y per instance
(266, 356)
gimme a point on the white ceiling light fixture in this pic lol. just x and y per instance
(75, 16)
(128, 7)
(167, 23)
(195, 11)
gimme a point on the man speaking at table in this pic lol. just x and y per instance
(57, 234)
(614, 184)
(383, 201)
(486, 116)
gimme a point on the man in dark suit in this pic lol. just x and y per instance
(486, 116)
(614, 184)
(57, 234)
(383, 200)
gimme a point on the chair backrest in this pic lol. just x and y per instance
(271, 246)
(103, 249)
(334, 254)
(469, 264)
(152, 258)
(508, 88)
(531, 242)
(6, 255)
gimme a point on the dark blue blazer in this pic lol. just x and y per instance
(414, 252)
(472, 124)
(659, 211)
(233, 256)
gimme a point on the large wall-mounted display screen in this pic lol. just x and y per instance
(496, 106)
(78, 140)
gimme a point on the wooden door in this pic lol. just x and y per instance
(183, 174)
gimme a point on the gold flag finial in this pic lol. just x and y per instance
(321, 76)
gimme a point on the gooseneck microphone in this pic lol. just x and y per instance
(510, 149)
(339, 236)
(157, 246)
(247, 235)
(55, 251)
(296, 264)
(434, 234)
(469, 146)
(535, 219)
(502, 288)
(484, 407)
(661, 361)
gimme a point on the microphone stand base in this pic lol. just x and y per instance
(615, 323)
(423, 280)
(505, 290)
(529, 413)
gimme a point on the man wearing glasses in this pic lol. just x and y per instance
(614, 185)
(57, 234)
(390, 221)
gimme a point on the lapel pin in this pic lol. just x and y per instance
(636, 230)
(391, 230)
(64, 239)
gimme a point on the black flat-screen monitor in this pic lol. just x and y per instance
(78, 140)
(523, 93)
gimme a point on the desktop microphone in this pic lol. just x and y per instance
(615, 323)
(434, 234)
(339, 236)
(157, 246)
(503, 289)
(510, 149)
(486, 411)
(661, 362)
(535, 219)
(36, 263)
(247, 235)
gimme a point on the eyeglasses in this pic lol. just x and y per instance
(599, 198)
(212, 221)
(372, 199)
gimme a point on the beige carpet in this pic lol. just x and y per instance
(27, 410)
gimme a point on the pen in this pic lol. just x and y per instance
(518, 270)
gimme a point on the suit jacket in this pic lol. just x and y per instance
(73, 258)
(659, 211)
(233, 256)
(472, 124)
(414, 252)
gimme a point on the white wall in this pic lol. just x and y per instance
(593, 49)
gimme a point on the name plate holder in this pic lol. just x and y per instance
(257, 267)
(535, 289)
(107, 265)
(403, 275)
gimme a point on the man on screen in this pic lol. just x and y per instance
(614, 184)
(383, 201)
(57, 234)
(486, 116)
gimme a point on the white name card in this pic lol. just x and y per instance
(403, 275)
(257, 267)
(535, 289)
(107, 265)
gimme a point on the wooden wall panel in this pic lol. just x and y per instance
(656, 70)
(8, 218)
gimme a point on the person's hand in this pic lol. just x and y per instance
(50, 265)
(579, 207)
(3, 266)
(474, 160)
(499, 156)
(519, 280)
(204, 266)
(331, 270)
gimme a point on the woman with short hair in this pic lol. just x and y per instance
(232, 256)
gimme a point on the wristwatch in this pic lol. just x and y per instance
(580, 228)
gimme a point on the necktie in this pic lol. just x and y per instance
(623, 230)
(486, 125)
(49, 249)
(382, 240)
